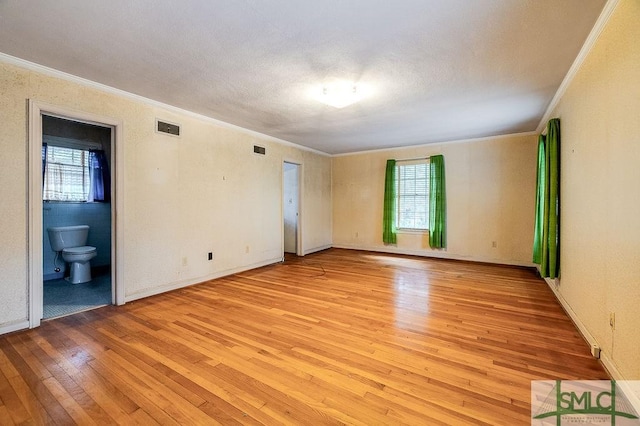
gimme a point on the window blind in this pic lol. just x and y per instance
(66, 176)
(413, 195)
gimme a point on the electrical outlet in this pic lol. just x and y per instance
(185, 261)
(494, 244)
(246, 249)
(210, 255)
(612, 320)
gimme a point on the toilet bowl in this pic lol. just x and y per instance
(78, 259)
(71, 242)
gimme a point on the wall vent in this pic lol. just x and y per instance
(168, 128)
(259, 150)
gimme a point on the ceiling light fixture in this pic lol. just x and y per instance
(340, 94)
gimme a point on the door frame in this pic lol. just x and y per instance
(35, 232)
(299, 166)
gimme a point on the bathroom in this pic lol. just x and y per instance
(64, 205)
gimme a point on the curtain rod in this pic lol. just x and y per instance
(413, 159)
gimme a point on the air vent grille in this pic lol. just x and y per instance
(168, 128)
(259, 150)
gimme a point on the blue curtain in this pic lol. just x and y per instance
(99, 176)
(44, 160)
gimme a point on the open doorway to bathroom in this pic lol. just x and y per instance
(76, 191)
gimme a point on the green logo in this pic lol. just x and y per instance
(581, 402)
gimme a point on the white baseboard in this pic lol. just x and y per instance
(14, 326)
(186, 283)
(317, 249)
(586, 335)
(631, 392)
(630, 388)
(435, 254)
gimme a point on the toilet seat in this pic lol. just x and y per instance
(79, 254)
(79, 250)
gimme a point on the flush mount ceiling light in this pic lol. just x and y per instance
(341, 94)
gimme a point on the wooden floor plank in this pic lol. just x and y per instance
(9, 398)
(31, 390)
(336, 337)
(104, 396)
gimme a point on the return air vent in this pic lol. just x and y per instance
(168, 128)
(259, 150)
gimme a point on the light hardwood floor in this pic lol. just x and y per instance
(337, 337)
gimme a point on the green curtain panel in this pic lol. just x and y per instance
(540, 188)
(389, 214)
(437, 203)
(547, 253)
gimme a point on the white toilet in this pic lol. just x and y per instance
(71, 240)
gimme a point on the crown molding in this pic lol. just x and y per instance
(31, 66)
(436, 144)
(600, 24)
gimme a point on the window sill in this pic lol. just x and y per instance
(412, 231)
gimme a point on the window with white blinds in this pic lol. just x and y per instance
(412, 179)
(66, 175)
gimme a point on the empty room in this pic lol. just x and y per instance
(320, 212)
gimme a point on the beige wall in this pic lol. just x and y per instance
(490, 197)
(182, 197)
(600, 187)
(206, 191)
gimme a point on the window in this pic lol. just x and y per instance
(412, 189)
(66, 175)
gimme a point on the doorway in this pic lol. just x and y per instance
(291, 208)
(72, 133)
(76, 192)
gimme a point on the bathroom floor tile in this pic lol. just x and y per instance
(63, 298)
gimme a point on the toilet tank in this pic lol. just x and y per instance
(62, 237)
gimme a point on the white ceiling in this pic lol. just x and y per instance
(440, 70)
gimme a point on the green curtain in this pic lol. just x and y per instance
(389, 213)
(437, 203)
(540, 189)
(548, 255)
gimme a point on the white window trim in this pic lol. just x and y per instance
(400, 230)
